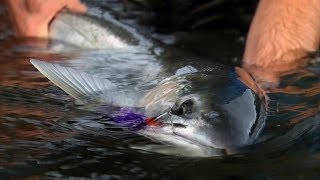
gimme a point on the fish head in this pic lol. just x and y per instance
(208, 110)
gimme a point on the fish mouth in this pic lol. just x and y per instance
(169, 127)
(158, 120)
(165, 122)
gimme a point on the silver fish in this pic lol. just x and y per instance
(189, 107)
(203, 110)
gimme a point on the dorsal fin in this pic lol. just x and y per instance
(81, 86)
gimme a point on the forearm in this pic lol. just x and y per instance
(282, 31)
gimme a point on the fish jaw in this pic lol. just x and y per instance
(173, 144)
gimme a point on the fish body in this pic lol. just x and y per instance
(201, 108)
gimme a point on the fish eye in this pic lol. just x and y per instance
(183, 108)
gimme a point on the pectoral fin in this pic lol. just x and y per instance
(81, 86)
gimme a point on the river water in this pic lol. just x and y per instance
(44, 134)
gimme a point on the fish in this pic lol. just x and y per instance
(186, 110)
(197, 107)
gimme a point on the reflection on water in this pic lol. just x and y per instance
(44, 134)
(298, 95)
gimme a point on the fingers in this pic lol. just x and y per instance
(76, 6)
(31, 18)
(246, 79)
(264, 77)
(50, 8)
(38, 15)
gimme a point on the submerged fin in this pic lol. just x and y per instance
(79, 85)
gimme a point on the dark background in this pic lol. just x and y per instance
(214, 28)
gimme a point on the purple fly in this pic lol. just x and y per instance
(130, 118)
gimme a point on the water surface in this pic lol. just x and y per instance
(45, 134)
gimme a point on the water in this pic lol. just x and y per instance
(44, 134)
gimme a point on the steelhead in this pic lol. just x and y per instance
(200, 108)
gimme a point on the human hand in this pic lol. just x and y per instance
(31, 18)
(281, 35)
(268, 72)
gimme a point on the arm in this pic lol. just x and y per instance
(31, 18)
(281, 33)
